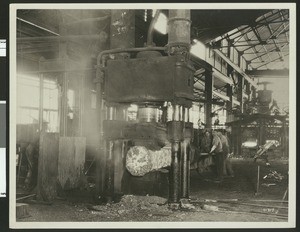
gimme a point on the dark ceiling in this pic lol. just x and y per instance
(206, 26)
(209, 24)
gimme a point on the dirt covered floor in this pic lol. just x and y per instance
(232, 200)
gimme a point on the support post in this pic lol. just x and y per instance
(41, 104)
(99, 153)
(229, 103)
(208, 98)
(185, 160)
(175, 131)
(240, 92)
(174, 173)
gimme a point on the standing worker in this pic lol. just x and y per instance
(218, 150)
(227, 169)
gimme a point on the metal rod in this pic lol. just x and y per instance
(169, 112)
(185, 169)
(186, 114)
(174, 184)
(181, 113)
(25, 197)
(102, 37)
(176, 113)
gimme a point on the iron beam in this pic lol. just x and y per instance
(208, 98)
(236, 67)
(284, 73)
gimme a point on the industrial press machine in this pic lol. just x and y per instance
(159, 80)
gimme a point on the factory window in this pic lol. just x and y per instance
(198, 49)
(28, 101)
(196, 113)
(161, 23)
(145, 15)
(93, 99)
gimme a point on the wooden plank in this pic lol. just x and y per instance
(47, 167)
(119, 165)
(22, 210)
(71, 160)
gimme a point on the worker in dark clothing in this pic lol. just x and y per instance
(32, 153)
(206, 142)
(227, 170)
(204, 162)
(219, 155)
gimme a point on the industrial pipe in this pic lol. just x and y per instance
(121, 50)
(102, 37)
(179, 28)
(174, 183)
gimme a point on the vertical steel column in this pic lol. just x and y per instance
(284, 138)
(178, 44)
(109, 167)
(64, 105)
(240, 92)
(41, 104)
(99, 155)
(185, 156)
(175, 133)
(174, 173)
(240, 99)
(229, 103)
(118, 156)
(208, 98)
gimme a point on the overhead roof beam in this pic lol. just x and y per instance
(236, 67)
(268, 73)
(260, 40)
(222, 76)
(279, 58)
(275, 42)
(37, 26)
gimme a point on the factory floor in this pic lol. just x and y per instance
(236, 201)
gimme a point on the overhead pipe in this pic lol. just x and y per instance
(179, 28)
(102, 37)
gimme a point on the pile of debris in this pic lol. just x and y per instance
(274, 175)
(131, 204)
